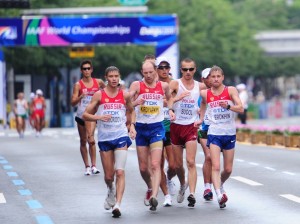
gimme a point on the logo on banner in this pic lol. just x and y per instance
(8, 33)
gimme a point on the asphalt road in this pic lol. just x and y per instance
(42, 181)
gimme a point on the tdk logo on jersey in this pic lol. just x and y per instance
(8, 32)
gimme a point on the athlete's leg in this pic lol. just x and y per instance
(206, 169)
(156, 152)
(120, 161)
(178, 158)
(19, 124)
(215, 160)
(90, 129)
(142, 153)
(228, 156)
(163, 182)
(107, 158)
(171, 162)
(191, 150)
(83, 148)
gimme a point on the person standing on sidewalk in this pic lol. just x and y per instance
(115, 112)
(83, 90)
(150, 131)
(220, 103)
(183, 110)
(20, 110)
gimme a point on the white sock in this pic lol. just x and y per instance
(207, 186)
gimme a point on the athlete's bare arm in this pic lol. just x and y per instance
(134, 91)
(130, 114)
(75, 96)
(203, 94)
(238, 106)
(91, 109)
(101, 83)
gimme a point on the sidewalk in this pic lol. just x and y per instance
(282, 122)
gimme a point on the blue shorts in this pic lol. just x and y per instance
(114, 144)
(149, 133)
(223, 141)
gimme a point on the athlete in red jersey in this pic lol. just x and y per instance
(83, 91)
(39, 107)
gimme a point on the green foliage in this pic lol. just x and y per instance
(211, 32)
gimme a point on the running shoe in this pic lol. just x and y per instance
(168, 201)
(153, 203)
(171, 187)
(208, 195)
(222, 189)
(147, 197)
(180, 196)
(192, 201)
(222, 201)
(111, 199)
(106, 205)
(95, 170)
(116, 213)
(88, 171)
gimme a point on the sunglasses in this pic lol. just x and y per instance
(161, 67)
(86, 68)
(187, 69)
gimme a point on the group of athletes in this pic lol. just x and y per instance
(35, 110)
(165, 116)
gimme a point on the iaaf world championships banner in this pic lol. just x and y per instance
(60, 31)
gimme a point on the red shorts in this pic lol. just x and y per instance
(181, 134)
(39, 113)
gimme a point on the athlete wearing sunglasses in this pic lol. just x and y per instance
(183, 111)
(83, 91)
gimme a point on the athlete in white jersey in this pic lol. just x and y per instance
(114, 112)
(183, 114)
(222, 102)
(20, 110)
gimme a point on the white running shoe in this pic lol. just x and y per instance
(171, 187)
(88, 171)
(180, 196)
(95, 170)
(168, 201)
(111, 199)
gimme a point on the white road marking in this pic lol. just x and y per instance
(254, 164)
(2, 134)
(2, 198)
(131, 149)
(239, 160)
(270, 168)
(246, 181)
(289, 173)
(291, 197)
(199, 165)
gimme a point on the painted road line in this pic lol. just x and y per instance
(199, 165)
(239, 160)
(34, 204)
(131, 148)
(289, 173)
(291, 197)
(269, 168)
(254, 164)
(43, 219)
(18, 182)
(2, 199)
(3, 161)
(2, 134)
(246, 181)
(7, 167)
(12, 174)
(25, 192)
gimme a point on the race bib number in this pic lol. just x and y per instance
(149, 110)
(39, 106)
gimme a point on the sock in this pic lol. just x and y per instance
(218, 192)
(207, 186)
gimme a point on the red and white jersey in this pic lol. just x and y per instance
(38, 104)
(221, 120)
(186, 110)
(89, 92)
(152, 109)
(116, 126)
